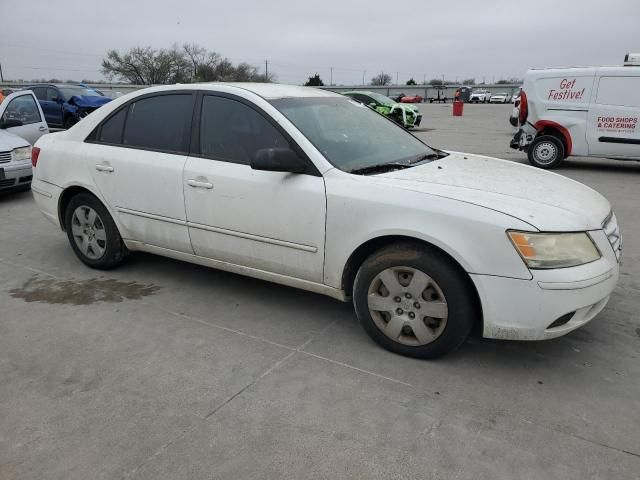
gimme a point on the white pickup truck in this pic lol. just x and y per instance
(478, 96)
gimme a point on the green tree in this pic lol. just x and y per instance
(469, 81)
(314, 81)
(411, 81)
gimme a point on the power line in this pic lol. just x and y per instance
(65, 52)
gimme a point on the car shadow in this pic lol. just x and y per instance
(600, 165)
(9, 196)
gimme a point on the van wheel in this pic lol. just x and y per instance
(546, 151)
(412, 300)
(92, 233)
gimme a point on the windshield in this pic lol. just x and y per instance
(69, 92)
(350, 135)
(381, 99)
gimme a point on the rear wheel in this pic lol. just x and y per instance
(412, 300)
(92, 233)
(546, 151)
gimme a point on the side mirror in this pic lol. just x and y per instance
(278, 160)
(10, 123)
(57, 100)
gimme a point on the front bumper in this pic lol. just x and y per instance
(16, 175)
(552, 303)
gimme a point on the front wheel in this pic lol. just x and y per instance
(92, 233)
(546, 151)
(414, 301)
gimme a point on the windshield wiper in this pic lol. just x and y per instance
(382, 167)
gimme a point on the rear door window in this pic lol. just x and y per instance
(161, 123)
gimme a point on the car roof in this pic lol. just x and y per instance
(270, 91)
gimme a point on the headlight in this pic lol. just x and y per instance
(554, 250)
(22, 153)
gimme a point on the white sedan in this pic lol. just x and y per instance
(310, 189)
(500, 97)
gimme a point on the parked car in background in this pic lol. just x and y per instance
(21, 124)
(591, 111)
(306, 188)
(479, 96)
(406, 115)
(412, 99)
(500, 97)
(65, 105)
(21, 115)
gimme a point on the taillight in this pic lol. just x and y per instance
(35, 153)
(524, 108)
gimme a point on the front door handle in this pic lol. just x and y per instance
(199, 184)
(42, 128)
(104, 168)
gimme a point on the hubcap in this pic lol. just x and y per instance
(88, 232)
(546, 152)
(419, 317)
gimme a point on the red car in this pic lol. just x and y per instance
(410, 99)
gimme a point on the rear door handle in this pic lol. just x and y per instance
(104, 168)
(199, 184)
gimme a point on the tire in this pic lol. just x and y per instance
(69, 122)
(546, 151)
(105, 249)
(393, 278)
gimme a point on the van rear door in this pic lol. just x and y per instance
(613, 126)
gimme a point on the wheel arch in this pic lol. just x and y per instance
(362, 252)
(549, 127)
(65, 197)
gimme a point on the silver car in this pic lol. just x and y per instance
(22, 122)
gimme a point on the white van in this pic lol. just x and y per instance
(580, 111)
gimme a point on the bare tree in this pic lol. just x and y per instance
(381, 79)
(186, 64)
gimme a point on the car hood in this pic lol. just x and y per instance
(545, 200)
(84, 101)
(9, 141)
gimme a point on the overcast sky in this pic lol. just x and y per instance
(489, 39)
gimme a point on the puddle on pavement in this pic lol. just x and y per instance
(85, 292)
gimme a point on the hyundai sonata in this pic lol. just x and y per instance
(313, 190)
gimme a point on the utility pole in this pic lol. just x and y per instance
(266, 70)
(397, 78)
(1, 77)
(363, 75)
(331, 81)
(424, 78)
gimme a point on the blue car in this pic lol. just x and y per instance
(65, 105)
